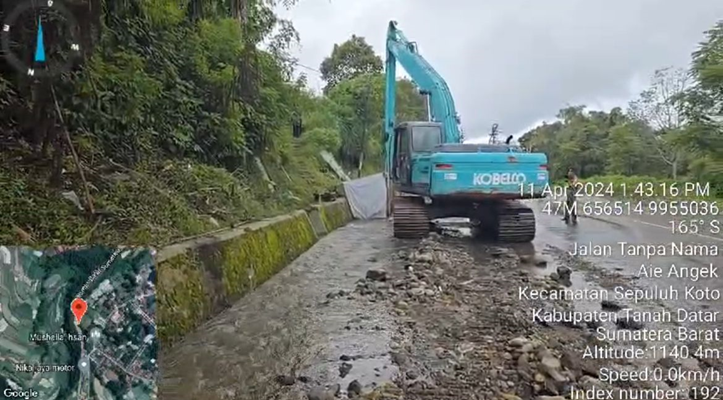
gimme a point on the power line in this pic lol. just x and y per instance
(308, 68)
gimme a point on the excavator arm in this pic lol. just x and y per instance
(441, 103)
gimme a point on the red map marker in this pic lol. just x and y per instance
(78, 307)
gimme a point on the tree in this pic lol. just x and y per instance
(706, 103)
(359, 102)
(675, 127)
(657, 107)
(594, 143)
(702, 105)
(160, 84)
(355, 93)
(360, 109)
(348, 60)
(411, 105)
(623, 150)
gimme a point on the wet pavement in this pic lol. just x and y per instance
(290, 327)
(304, 324)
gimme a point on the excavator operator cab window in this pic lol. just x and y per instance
(402, 141)
(425, 138)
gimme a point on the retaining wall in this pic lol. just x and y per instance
(199, 278)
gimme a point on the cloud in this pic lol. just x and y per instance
(518, 62)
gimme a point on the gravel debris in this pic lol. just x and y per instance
(463, 331)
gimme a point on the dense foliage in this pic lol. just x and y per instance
(184, 116)
(673, 130)
(179, 119)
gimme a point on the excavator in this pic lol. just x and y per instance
(431, 174)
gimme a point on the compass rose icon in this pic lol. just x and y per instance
(40, 40)
(40, 44)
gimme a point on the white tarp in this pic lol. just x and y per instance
(367, 197)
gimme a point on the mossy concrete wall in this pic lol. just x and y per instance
(335, 214)
(317, 223)
(199, 278)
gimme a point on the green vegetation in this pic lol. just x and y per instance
(256, 256)
(242, 263)
(673, 132)
(182, 299)
(168, 113)
(335, 215)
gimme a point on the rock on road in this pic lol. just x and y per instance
(436, 319)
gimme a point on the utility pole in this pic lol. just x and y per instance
(365, 127)
(494, 133)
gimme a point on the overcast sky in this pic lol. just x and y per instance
(518, 62)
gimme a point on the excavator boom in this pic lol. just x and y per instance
(430, 82)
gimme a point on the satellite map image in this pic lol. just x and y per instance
(78, 323)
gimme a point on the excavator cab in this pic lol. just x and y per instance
(414, 144)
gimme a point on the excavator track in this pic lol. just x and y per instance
(516, 223)
(410, 218)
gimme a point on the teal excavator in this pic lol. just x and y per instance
(432, 174)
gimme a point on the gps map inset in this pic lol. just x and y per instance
(77, 324)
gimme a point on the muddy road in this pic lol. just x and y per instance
(363, 314)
